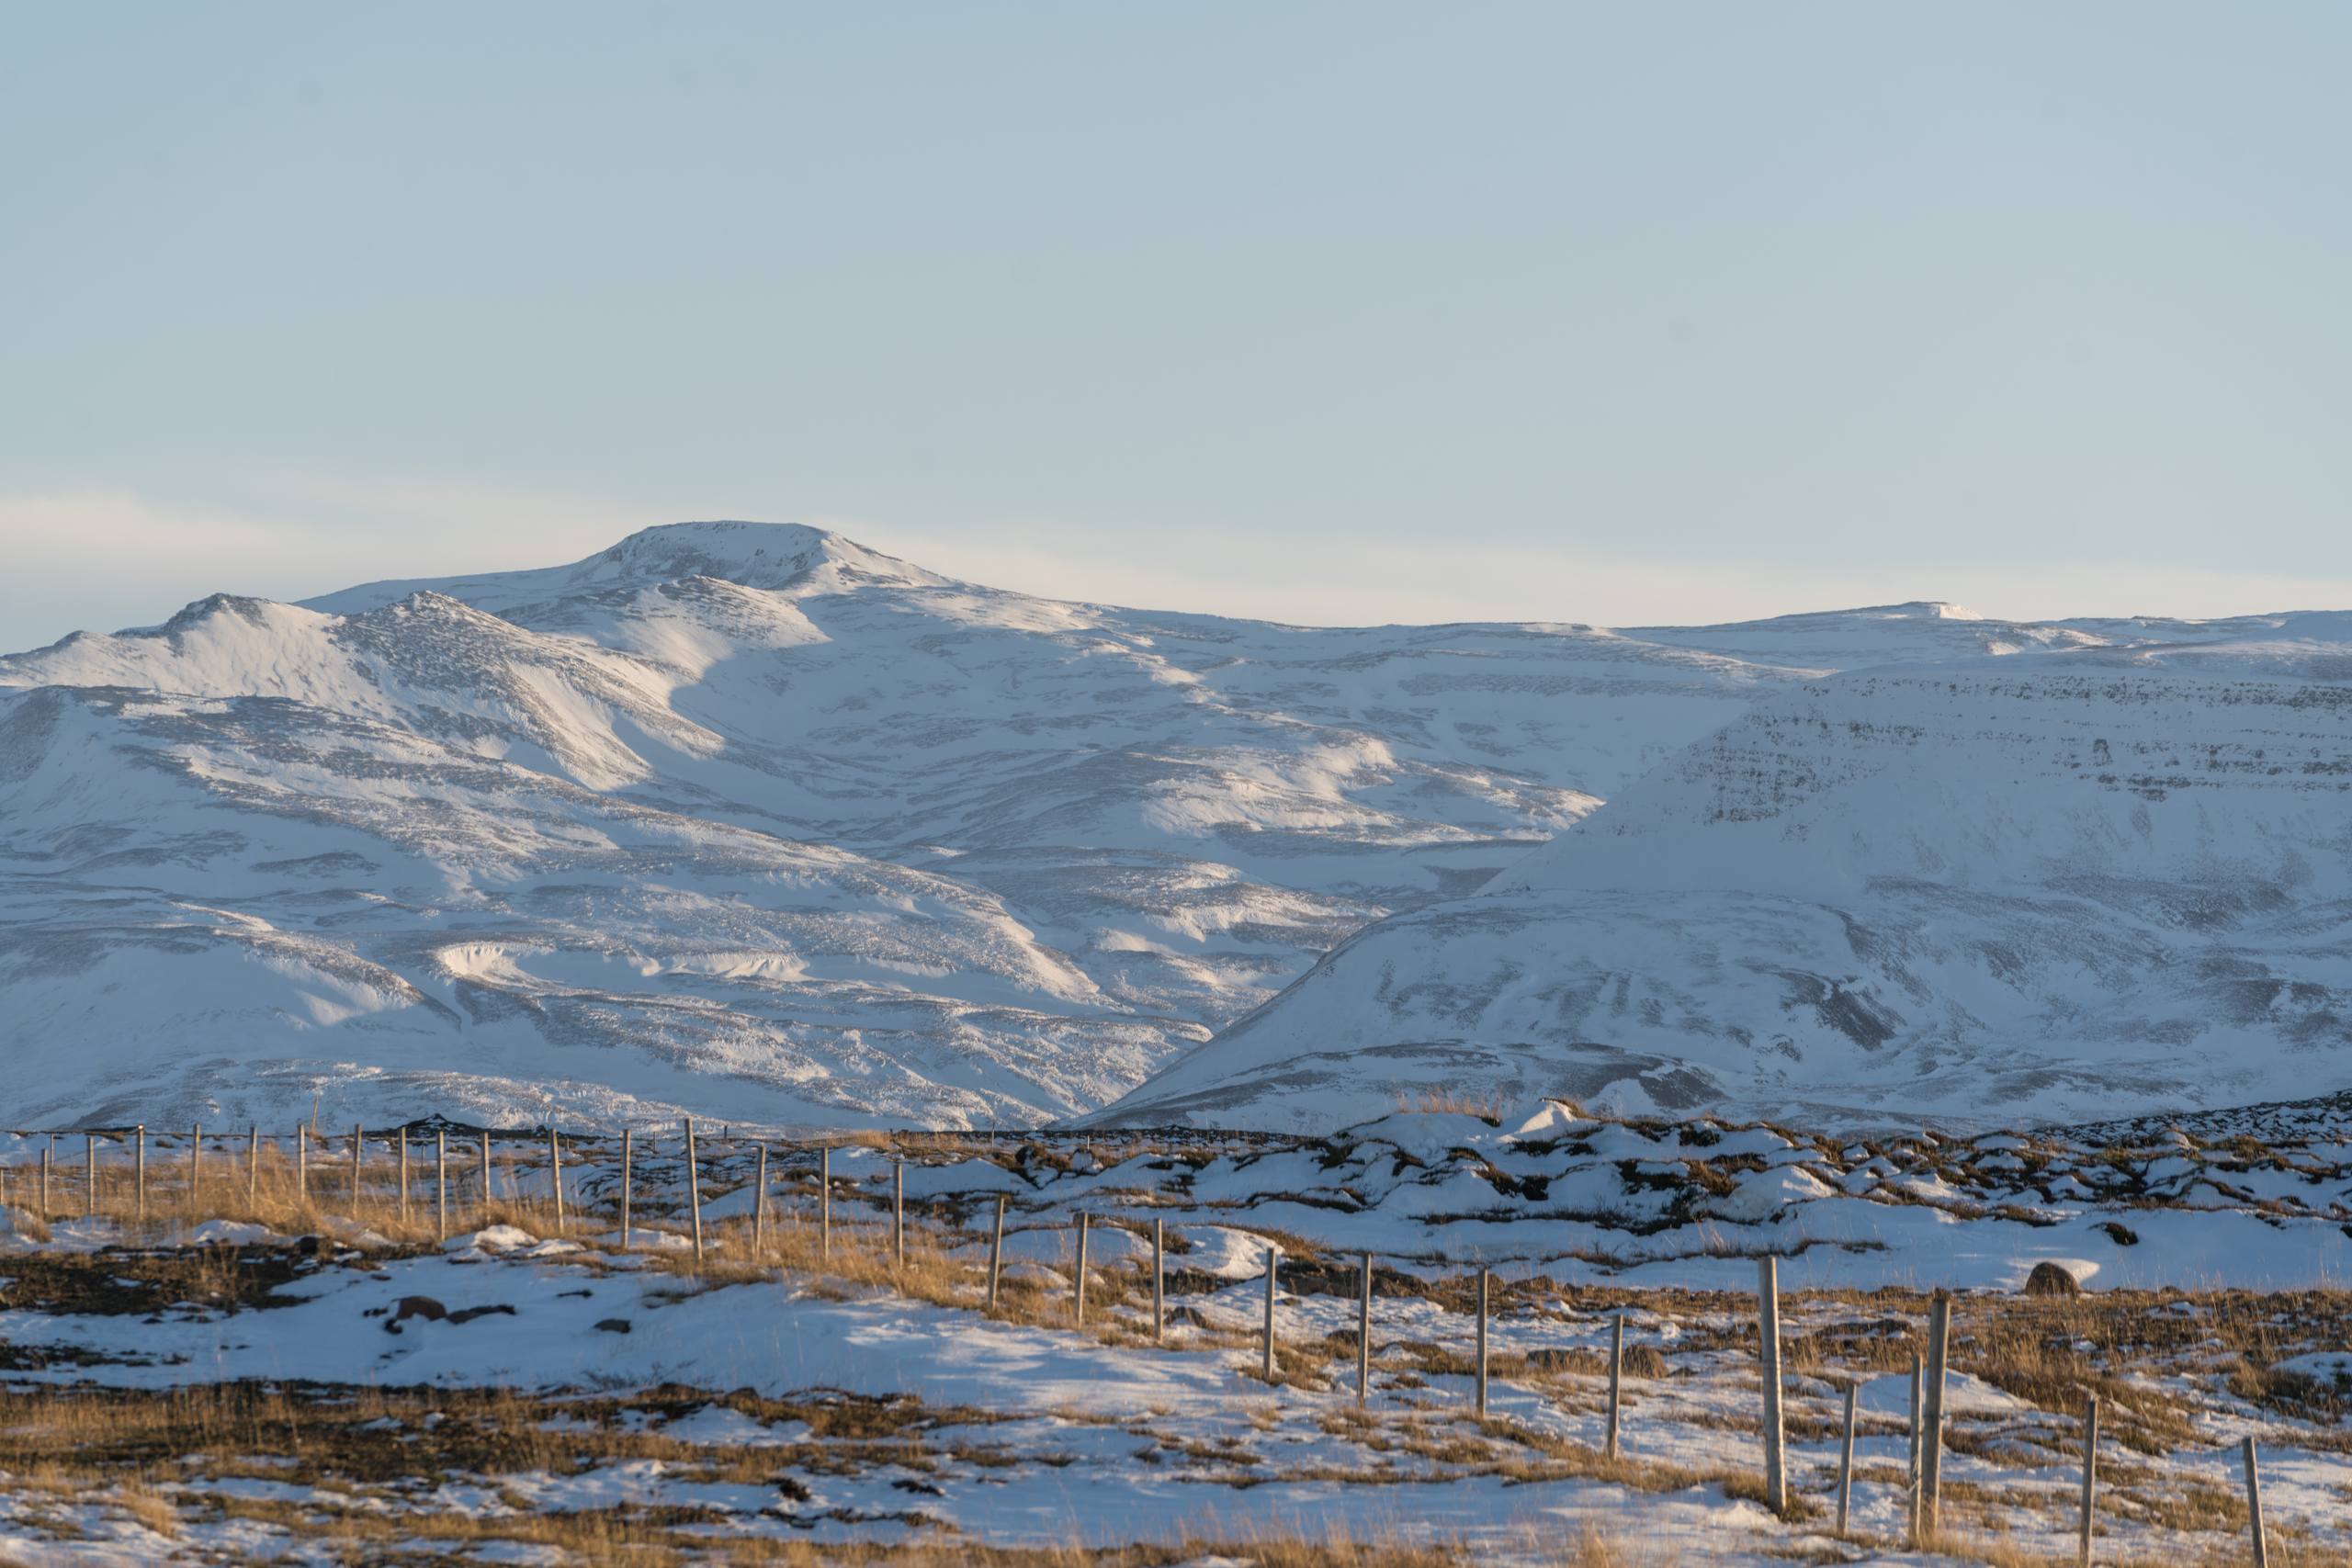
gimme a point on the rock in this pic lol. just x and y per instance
(613, 1326)
(2052, 1280)
(431, 1311)
(407, 1307)
(469, 1314)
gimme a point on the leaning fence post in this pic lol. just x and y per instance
(555, 1169)
(141, 1167)
(996, 1250)
(1079, 1297)
(1363, 1336)
(1932, 1422)
(2090, 1479)
(760, 1203)
(1616, 1380)
(1269, 1368)
(1158, 1280)
(627, 1154)
(2254, 1510)
(1482, 1341)
(1767, 1327)
(899, 1209)
(441, 1177)
(825, 1207)
(1846, 1460)
(693, 1187)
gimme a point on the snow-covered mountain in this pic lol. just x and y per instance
(2049, 885)
(748, 821)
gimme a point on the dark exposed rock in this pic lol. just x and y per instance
(431, 1311)
(2050, 1279)
(469, 1314)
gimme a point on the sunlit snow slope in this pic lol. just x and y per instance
(2089, 879)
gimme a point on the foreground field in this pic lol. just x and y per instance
(277, 1375)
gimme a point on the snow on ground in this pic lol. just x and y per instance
(1042, 1436)
(792, 1401)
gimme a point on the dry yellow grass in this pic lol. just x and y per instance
(1489, 1108)
(2048, 1352)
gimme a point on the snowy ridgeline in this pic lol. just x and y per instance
(747, 820)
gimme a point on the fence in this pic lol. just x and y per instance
(45, 1186)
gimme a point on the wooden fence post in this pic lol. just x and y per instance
(1079, 1298)
(1767, 1327)
(253, 1163)
(693, 1187)
(1363, 1336)
(628, 1156)
(45, 1209)
(899, 1209)
(1482, 1341)
(485, 1176)
(1846, 1460)
(403, 1137)
(441, 1178)
(358, 1147)
(825, 1210)
(2090, 1479)
(1911, 1474)
(1268, 1367)
(92, 1139)
(1931, 1421)
(2254, 1511)
(1616, 1380)
(760, 1203)
(195, 1163)
(996, 1250)
(555, 1169)
(141, 1168)
(1158, 1280)
(301, 1163)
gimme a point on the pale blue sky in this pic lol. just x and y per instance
(1337, 312)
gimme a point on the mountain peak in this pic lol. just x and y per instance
(683, 549)
(755, 554)
(769, 556)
